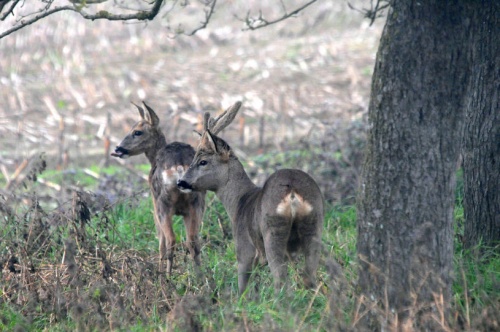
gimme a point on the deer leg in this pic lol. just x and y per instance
(276, 235)
(167, 241)
(311, 245)
(162, 249)
(245, 253)
(192, 222)
(162, 245)
(312, 255)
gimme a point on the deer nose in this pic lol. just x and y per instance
(184, 186)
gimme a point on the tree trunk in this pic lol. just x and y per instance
(405, 205)
(482, 130)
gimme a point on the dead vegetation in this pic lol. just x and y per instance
(66, 262)
(67, 86)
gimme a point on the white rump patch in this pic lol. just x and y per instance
(172, 174)
(293, 205)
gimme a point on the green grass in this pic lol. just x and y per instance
(116, 253)
(134, 226)
(81, 177)
(476, 270)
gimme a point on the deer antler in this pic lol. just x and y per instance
(222, 121)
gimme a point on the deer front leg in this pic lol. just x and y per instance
(245, 254)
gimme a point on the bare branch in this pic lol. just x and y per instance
(9, 7)
(9, 11)
(140, 15)
(374, 12)
(208, 15)
(260, 21)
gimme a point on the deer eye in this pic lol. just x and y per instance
(137, 133)
(202, 163)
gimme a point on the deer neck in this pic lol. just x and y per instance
(235, 188)
(152, 152)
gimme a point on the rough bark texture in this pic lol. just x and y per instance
(405, 206)
(482, 129)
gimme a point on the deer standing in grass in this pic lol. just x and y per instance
(167, 161)
(269, 223)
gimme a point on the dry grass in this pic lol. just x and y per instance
(67, 83)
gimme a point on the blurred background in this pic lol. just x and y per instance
(66, 87)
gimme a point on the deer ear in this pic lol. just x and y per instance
(140, 109)
(153, 118)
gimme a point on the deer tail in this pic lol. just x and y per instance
(293, 205)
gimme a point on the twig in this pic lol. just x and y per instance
(260, 21)
(310, 306)
(5, 173)
(466, 290)
(208, 16)
(17, 173)
(374, 11)
(49, 184)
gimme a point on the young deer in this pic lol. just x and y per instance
(271, 222)
(168, 162)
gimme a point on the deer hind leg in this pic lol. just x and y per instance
(276, 234)
(311, 246)
(167, 240)
(192, 222)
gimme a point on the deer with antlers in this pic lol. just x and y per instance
(270, 222)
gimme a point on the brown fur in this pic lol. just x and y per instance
(167, 161)
(272, 222)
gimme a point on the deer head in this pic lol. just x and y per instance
(144, 136)
(210, 166)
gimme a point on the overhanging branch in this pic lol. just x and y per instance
(9, 11)
(48, 7)
(140, 15)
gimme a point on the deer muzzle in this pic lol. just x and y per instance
(184, 186)
(120, 152)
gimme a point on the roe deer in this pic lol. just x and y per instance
(271, 222)
(168, 162)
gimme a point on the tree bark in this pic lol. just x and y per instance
(481, 153)
(405, 205)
